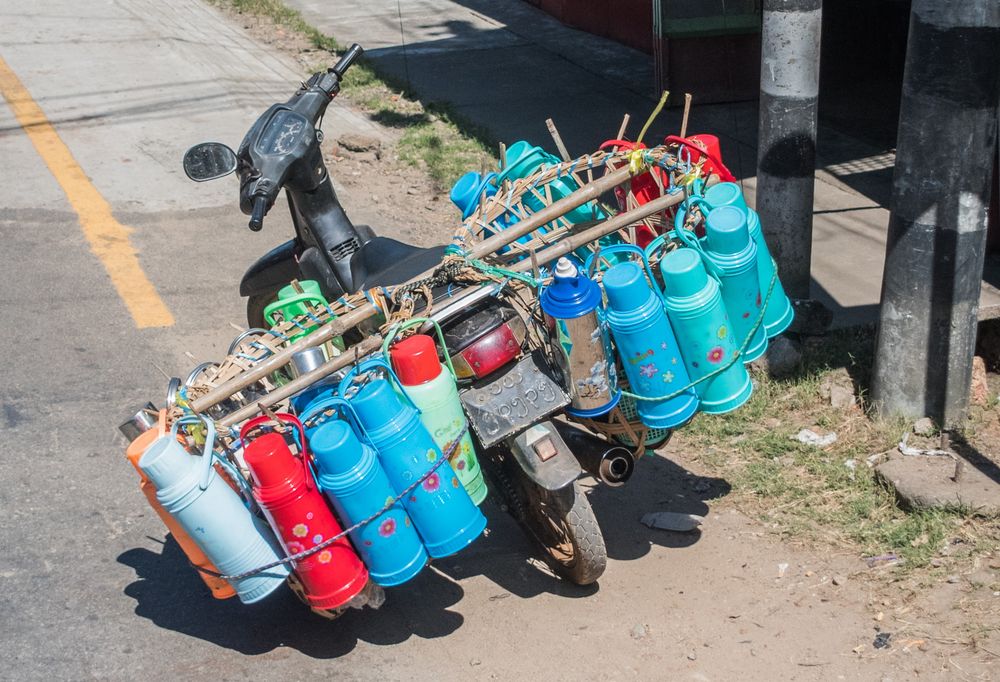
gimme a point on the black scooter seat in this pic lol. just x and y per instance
(384, 262)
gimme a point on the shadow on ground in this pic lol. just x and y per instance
(171, 595)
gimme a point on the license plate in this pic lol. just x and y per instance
(525, 394)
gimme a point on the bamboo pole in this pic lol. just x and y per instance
(369, 345)
(573, 242)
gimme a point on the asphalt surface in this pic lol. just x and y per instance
(91, 586)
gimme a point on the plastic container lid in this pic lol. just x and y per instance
(271, 462)
(726, 230)
(415, 360)
(336, 449)
(466, 192)
(570, 295)
(725, 194)
(683, 273)
(626, 287)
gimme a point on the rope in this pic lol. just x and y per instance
(739, 352)
(305, 554)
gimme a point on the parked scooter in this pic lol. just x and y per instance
(509, 390)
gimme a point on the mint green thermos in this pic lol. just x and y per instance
(694, 306)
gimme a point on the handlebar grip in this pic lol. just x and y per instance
(257, 217)
(347, 60)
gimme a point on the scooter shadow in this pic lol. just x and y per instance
(658, 484)
(170, 594)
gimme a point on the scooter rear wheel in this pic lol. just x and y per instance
(563, 525)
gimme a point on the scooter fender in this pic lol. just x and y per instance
(545, 457)
(274, 269)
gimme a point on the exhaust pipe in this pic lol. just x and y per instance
(611, 464)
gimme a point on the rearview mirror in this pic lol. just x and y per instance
(208, 161)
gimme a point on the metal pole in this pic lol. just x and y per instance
(937, 226)
(786, 146)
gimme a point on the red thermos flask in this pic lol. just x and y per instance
(297, 511)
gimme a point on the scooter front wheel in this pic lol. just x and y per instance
(563, 525)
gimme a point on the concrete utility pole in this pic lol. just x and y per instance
(937, 228)
(786, 145)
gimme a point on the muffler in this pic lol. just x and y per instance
(611, 464)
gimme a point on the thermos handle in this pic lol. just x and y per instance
(618, 248)
(317, 408)
(368, 365)
(304, 297)
(208, 454)
(391, 336)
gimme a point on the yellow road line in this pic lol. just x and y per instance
(108, 238)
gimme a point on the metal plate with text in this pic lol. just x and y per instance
(511, 403)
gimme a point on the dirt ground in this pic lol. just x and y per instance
(747, 597)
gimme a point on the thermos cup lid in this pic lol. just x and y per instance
(571, 294)
(336, 448)
(309, 286)
(378, 406)
(726, 230)
(166, 463)
(466, 192)
(683, 273)
(725, 194)
(626, 287)
(415, 360)
(270, 461)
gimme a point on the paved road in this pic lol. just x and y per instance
(89, 587)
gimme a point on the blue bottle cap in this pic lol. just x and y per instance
(466, 192)
(726, 230)
(571, 294)
(626, 287)
(725, 194)
(336, 449)
(683, 273)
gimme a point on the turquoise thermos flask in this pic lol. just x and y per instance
(349, 472)
(728, 245)
(778, 312)
(445, 516)
(698, 316)
(213, 514)
(648, 348)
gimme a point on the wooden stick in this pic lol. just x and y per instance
(687, 110)
(573, 242)
(621, 130)
(560, 145)
(503, 156)
(370, 344)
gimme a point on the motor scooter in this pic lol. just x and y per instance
(511, 391)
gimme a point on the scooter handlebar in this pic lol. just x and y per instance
(347, 60)
(257, 216)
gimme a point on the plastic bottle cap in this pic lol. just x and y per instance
(336, 448)
(271, 462)
(565, 268)
(626, 287)
(415, 360)
(726, 230)
(683, 273)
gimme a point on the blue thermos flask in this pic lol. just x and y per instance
(445, 516)
(648, 348)
(213, 514)
(349, 472)
(580, 341)
(698, 316)
(728, 245)
(778, 312)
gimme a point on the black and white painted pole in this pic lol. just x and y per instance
(786, 157)
(937, 226)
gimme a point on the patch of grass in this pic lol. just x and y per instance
(434, 137)
(823, 493)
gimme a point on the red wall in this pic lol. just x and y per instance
(626, 21)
